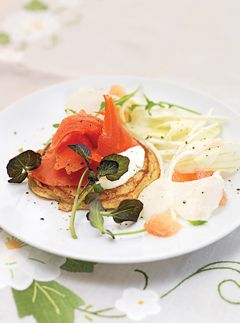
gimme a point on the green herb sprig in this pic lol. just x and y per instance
(164, 105)
(197, 222)
(123, 99)
(112, 166)
(69, 110)
(128, 210)
(19, 166)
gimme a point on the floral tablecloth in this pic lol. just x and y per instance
(195, 43)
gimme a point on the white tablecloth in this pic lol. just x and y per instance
(194, 43)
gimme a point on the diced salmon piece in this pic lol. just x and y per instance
(162, 225)
(186, 177)
(117, 90)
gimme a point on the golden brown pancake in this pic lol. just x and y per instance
(110, 198)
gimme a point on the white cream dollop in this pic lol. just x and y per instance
(193, 200)
(136, 157)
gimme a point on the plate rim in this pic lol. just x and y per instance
(144, 259)
(141, 259)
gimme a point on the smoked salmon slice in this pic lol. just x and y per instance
(80, 123)
(63, 167)
(114, 137)
(48, 175)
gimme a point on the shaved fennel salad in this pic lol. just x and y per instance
(193, 155)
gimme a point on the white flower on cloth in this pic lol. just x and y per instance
(26, 27)
(64, 4)
(68, 12)
(10, 54)
(138, 304)
(20, 264)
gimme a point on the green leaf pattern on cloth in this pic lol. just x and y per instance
(78, 266)
(4, 38)
(47, 302)
(50, 302)
(36, 5)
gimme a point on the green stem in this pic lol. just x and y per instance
(98, 313)
(171, 105)
(37, 260)
(215, 268)
(145, 276)
(106, 213)
(179, 284)
(104, 310)
(202, 269)
(129, 232)
(70, 110)
(165, 104)
(75, 207)
(82, 198)
(221, 262)
(127, 97)
(220, 292)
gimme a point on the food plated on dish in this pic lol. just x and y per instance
(125, 157)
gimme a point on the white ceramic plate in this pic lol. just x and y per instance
(28, 124)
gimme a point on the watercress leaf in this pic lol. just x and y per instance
(94, 215)
(19, 166)
(123, 163)
(92, 177)
(19, 178)
(82, 150)
(197, 222)
(98, 188)
(128, 210)
(107, 167)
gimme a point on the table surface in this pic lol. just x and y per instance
(193, 43)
